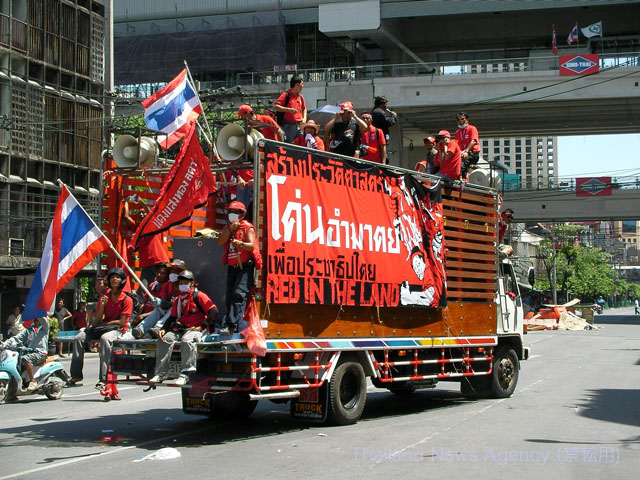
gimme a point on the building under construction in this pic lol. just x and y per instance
(51, 124)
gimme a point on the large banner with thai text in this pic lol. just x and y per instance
(349, 233)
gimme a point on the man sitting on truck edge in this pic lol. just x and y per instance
(192, 312)
(447, 162)
(113, 311)
(241, 254)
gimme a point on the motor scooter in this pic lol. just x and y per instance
(50, 376)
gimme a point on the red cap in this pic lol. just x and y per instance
(244, 109)
(365, 115)
(423, 163)
(431, 139)
(236, 205)
(444, 133)
(346, 106)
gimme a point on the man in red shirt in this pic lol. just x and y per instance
(155, 310)
(309, 137)
(373, 145)
(468, 141)
(114, 309)
(291, 103)
(272, 131)
(241, 255)
(191, 313)
(447, 161)
(79, 317)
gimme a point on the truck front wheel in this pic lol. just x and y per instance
(506, 369)
(347, 393)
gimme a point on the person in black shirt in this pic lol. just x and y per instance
(383, 118)
(343, 131)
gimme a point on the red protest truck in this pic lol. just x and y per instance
(370, 272)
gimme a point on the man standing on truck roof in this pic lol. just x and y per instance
(242, 256)
(191, 313)
(291, 109)
(343, 131)
(468, 141)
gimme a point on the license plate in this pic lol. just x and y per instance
(174, 369)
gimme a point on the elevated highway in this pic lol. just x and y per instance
(565, 206)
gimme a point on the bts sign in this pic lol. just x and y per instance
(578, 64)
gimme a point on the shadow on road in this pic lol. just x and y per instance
(605, 319)
(170, 427)
(612, 405)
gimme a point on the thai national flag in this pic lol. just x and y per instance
(172, 109)
(72, 242)
(573, 35)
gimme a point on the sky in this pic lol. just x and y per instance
(599, 155)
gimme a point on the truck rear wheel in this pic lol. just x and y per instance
(506, 370)
(347, 393)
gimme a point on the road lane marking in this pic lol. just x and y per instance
(111, 452)
(435, 434)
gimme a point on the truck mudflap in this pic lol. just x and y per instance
(312, 405)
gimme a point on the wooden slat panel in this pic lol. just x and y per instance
(486, 228)
(453, 215)
(479, 239)
(488, 267)
(471, 256)
(470, 295)
(452, 272)
(452, 285)
(470, 246)
(452, 204)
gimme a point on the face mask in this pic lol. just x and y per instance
(233, 217)
(462, 126)
(173, 277)
(184, 288)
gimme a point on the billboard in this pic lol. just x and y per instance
(591, 186)
(351, 233)
(583, 64)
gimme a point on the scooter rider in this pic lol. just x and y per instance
(38, 344)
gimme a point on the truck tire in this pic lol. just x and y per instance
(506, 369)
(234, 406)
(347, 394)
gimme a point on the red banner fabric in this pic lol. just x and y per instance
(345, 233)
(186, 187)
(590, 186)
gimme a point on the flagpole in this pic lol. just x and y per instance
(206, 122)
(133, 274)
(577, 38)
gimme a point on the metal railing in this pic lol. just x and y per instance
(367, 72)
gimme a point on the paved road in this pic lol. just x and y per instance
(575, 414)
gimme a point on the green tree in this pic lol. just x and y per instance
(581, 271)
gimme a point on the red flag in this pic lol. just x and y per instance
(186, 187)
(256, 341)
(554, 41)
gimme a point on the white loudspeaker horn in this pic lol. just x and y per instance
(231, 141)
(125, 152)
(486, 178)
